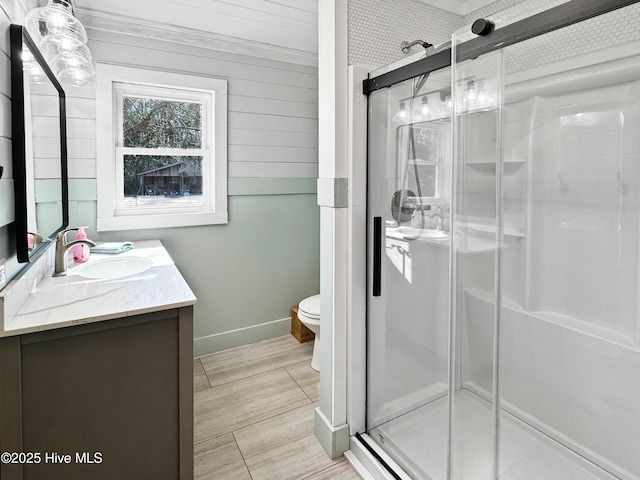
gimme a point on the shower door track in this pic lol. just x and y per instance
(574, 11)
(372, 451)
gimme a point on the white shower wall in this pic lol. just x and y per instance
(378, 27)
(587, 37)
(569, 344)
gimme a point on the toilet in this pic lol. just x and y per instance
(309, 315)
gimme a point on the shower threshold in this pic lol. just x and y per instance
(417, 441)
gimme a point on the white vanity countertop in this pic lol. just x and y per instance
(72, 299)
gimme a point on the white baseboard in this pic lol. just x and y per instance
(334, 440)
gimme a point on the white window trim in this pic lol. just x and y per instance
(214, 210)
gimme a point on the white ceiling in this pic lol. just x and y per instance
(280, 29)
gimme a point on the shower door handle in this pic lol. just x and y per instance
(377, 255)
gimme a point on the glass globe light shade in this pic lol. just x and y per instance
(78, 76)
(54, 21)
(57, 22)
(61, 39)
(69, 43)
(74, 59)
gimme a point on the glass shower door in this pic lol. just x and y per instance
(546, 318)
(477, 225)
(409, 245)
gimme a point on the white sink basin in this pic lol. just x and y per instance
(426, 232)
(403, 231)
(111, 268)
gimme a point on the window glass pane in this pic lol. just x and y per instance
(426, 143)
(427, 175)
(159, 181)
(153, 123)
(418, 157)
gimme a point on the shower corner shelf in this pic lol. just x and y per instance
(510, 166)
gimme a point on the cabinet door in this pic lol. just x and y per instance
(108, 397)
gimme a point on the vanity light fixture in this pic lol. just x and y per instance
(62, 40)
(424, 109)
(403, 111)
(472, 91)
(402, 114)
(423, 112)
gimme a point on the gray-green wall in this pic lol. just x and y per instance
(247, 274)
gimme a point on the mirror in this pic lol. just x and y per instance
(39, 144)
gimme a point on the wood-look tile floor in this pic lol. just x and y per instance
(254, 415)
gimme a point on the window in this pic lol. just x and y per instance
(162, 153)
(420, 156)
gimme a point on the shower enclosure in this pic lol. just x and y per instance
(503, 329)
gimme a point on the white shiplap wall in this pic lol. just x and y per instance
(272, 118)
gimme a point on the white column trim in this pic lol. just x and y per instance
(356, 252)
(332, 116)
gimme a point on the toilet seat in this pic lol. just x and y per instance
(308, 317)
(308, 321)
(310, 308)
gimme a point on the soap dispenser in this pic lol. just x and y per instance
(81, 251)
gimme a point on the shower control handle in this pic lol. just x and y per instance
(377, 256)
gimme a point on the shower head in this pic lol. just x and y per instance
(406, 46)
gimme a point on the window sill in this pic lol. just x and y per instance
(165, 220)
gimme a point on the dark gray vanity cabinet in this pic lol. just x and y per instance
(101, 401)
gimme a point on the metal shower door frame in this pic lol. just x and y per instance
(574, 11)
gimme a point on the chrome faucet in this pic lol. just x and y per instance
(34, 240)
(62, 247)
(438, 216)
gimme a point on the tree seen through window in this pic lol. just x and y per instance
(150, 123)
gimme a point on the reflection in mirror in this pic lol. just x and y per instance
(420, 158)
(42, 120)
(39, 148)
